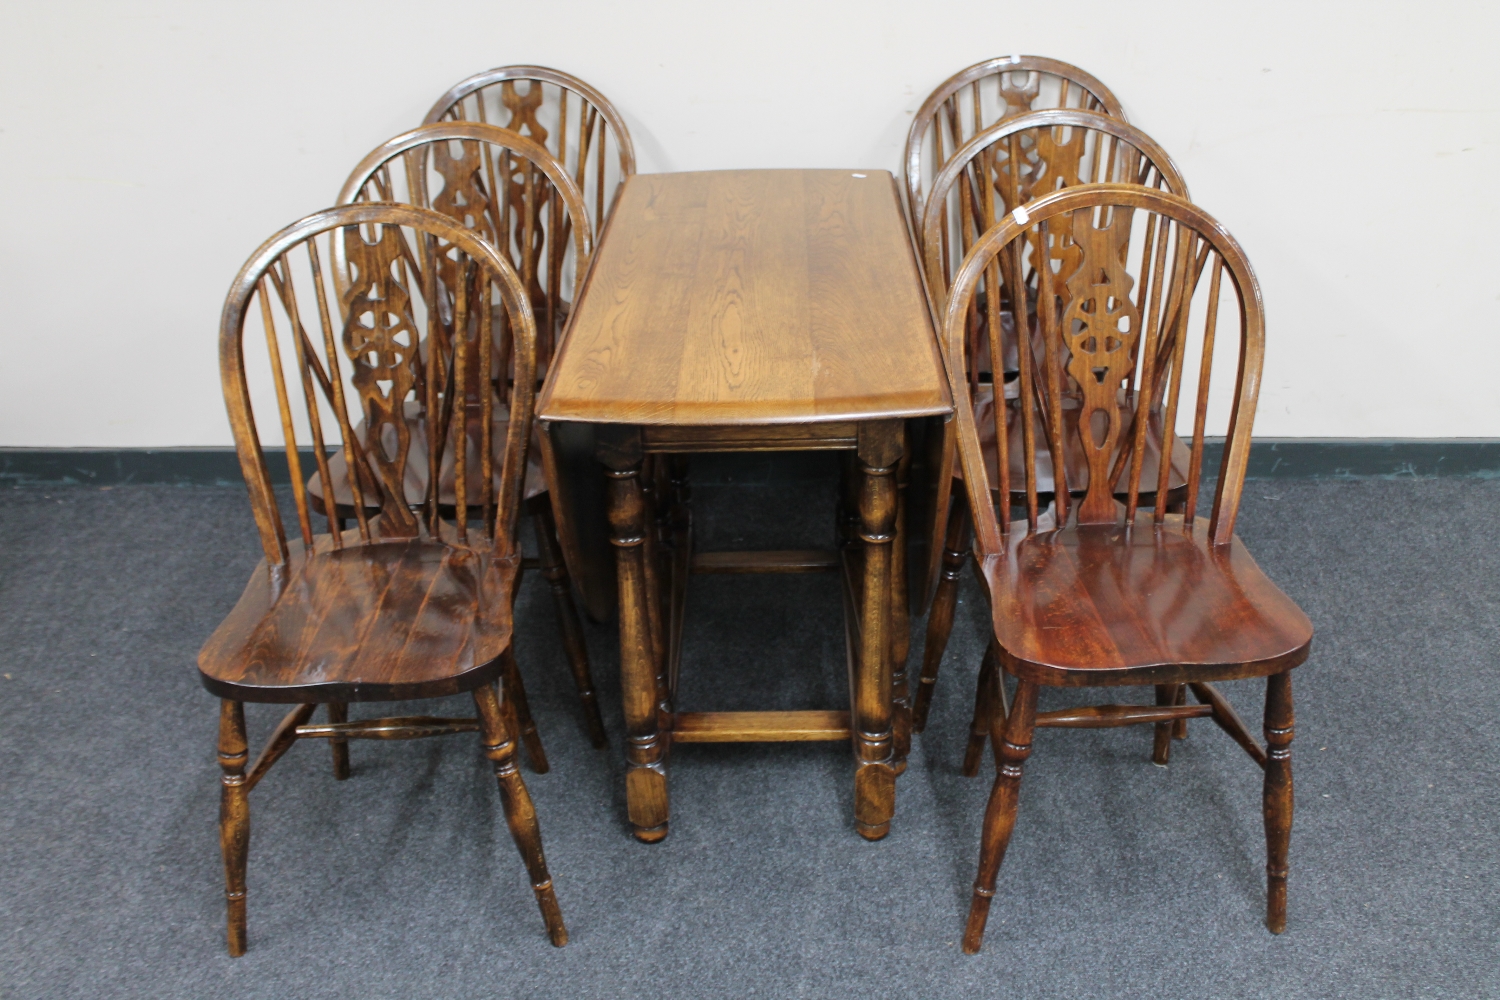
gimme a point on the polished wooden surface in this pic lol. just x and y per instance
(1111, 604)
(411, 602)
(443, 612)
(748, 297)
(1094, 591)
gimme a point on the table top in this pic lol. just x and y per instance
(743, 297)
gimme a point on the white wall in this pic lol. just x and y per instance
(147, 147)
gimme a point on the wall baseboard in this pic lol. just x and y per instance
(1270, 458)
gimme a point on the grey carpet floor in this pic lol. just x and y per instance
(1123, 879)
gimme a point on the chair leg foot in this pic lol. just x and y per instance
(979, 915)
(1000, 814)
(520, 813)
(546, 899)
(1277, 795)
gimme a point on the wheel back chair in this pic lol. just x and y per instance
(1104, 592)
(1053, 150)
(587, 135)
(451, 168)
(410, 603)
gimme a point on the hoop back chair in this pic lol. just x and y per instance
(984, 94)
(974, 190)
(1106, 592)
(452, 168)
(410, 603)
(553, 105)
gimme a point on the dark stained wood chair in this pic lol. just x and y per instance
(988, 92)
(978, 185)
(410, 603)
(1105, 593)
(587, 134)
(452, 167)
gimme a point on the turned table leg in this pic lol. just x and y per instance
(645, 747)
(899, 634)
(879, 452)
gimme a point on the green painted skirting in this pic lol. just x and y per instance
(1271, 458)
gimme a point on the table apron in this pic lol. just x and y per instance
(823, 436)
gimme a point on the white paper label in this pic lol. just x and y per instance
(1021, 216)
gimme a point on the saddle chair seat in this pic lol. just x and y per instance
(1103, 604)
(338, 626)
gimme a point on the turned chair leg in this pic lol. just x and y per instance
(1000, 814)
(520, 814)
(1277, 795)
(518, 713)
(234, 817)
(940, 617)
(555, 570)
(338, 711)
(985, 693)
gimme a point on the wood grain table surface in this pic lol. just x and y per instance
(740, 297)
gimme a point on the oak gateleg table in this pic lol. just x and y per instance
(751, 310)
